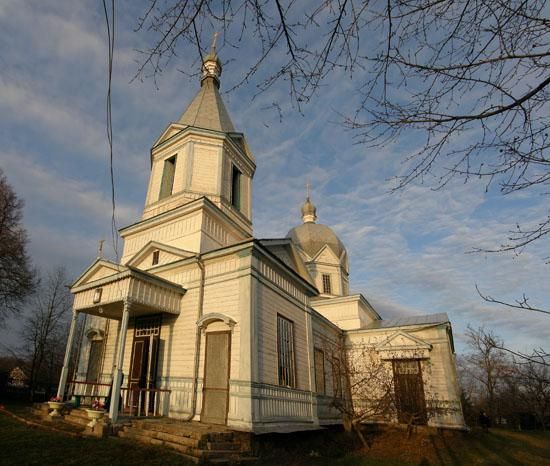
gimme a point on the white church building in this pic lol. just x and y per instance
(201, 321)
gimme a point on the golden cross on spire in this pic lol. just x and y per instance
(215, 39)
(308, 188)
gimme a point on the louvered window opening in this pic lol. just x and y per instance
(167, 182)
(156, 255)
(236, 188)
(285, 350)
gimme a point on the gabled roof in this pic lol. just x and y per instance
(100, 268)
(290, 256)
(402, 341)
(153, 246)
(207, 110)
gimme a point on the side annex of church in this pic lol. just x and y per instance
(201, 321)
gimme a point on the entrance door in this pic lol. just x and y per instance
(143, 371)
(94, 365)
(409, 391)
(215, 393)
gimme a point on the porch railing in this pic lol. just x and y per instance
(135, 401)
(85, 391)
(145, 401)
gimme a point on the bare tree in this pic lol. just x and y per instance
(17, 278)
(363, 386)
(470, 78)
(487, 365)
(45, 328)
(535, 389)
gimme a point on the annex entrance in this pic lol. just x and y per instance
(409, 391)
(216, 378)
(143, 368)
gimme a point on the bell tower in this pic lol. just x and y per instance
(200, 163)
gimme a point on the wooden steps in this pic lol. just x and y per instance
(198, 442)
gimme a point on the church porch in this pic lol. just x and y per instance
(126, 294)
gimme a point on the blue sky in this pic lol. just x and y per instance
(409, 251)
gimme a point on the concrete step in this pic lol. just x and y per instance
(76, 420)
(194, 431)
(203, 443)
(165, 436)
(78, 412)
(181, 449)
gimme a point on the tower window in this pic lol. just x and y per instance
(167, 183)
(156, 255)
(327, 287)
(236, 176)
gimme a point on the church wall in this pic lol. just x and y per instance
(206, 170)
(317, 270)
(275, 406)
(348, 314)
(438, 371)
(183, 233)
(272, 304)
(327, 339)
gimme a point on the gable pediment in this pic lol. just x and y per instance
(169, 132)
(143, 259)
(101, 268)
(327, 255)
(402, 345)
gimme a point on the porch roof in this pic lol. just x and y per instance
(104, 287)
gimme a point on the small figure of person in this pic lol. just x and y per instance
(484, 421)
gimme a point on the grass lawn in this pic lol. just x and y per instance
(391, 447)
(24, 445)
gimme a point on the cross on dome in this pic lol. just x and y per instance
(212, 66)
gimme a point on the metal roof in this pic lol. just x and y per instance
(207, 109)
(440, 318)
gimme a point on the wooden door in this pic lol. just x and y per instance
(409, 392)
(94, 365)
(143, 368)
(215, 395)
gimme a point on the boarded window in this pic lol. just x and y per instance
(327, 288)
(319, 357)
(285, 351)
(236, 188)
(337, 373)
(167, 183)
(156, 255)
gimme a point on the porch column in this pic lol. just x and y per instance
(117, 376)
(65, 369)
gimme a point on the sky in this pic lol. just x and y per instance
(410, 251)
